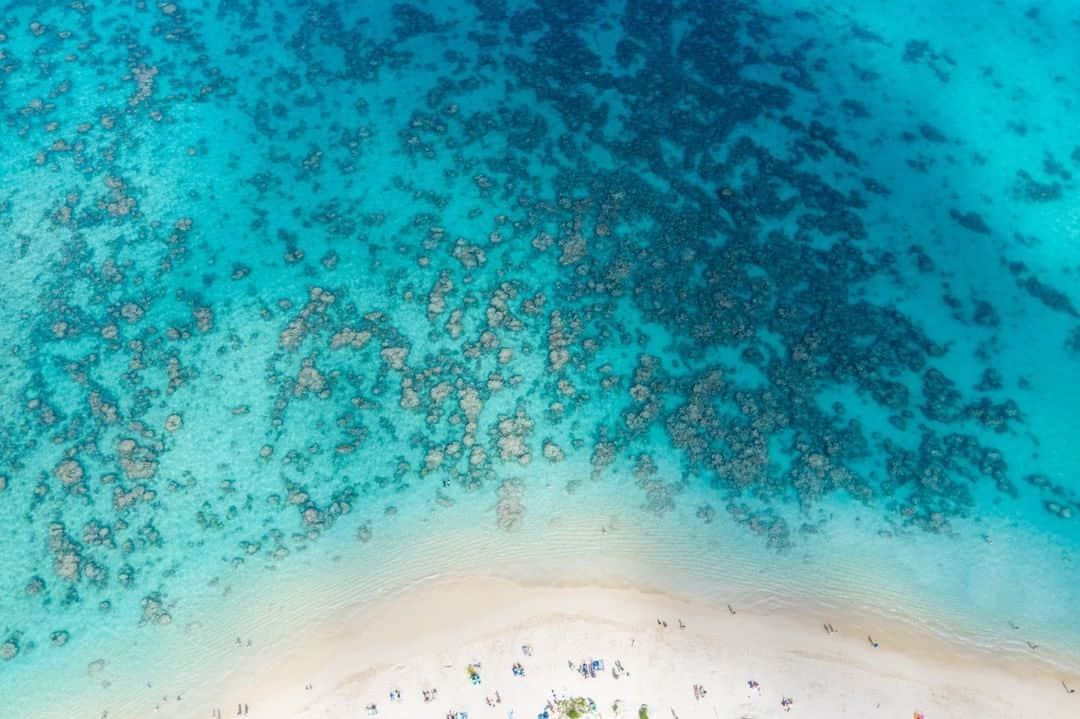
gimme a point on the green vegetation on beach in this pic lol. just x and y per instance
(575, 707)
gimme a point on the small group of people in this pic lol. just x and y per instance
(699, 692)
(241, 710)
(588, 669)
(754, 685)
(682, 625)
(429, 695)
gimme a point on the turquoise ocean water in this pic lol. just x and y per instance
(304, 302)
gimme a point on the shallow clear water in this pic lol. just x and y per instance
(783, 296)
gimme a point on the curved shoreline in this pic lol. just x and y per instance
(425, 636)
(629, 553)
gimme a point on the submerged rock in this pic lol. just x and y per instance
(9, 649)
(509, 510)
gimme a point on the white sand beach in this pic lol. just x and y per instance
(425, 639)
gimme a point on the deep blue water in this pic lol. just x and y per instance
(285, 278)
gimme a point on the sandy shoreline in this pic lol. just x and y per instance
(425, 638)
